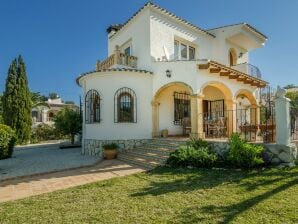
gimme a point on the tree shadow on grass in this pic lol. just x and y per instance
(229, 212)
(166, 180)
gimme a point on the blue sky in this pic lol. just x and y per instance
(59, 39)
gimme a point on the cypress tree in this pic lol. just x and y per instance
(9, 97)
(24, 122)
(17, 102)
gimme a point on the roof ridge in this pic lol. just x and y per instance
(151, 4)
(242, 23)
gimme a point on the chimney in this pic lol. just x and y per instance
(112, 29)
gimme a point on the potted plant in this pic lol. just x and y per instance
(164, 133)
(110, 150)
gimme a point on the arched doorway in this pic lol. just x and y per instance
(217, 110)
(247, 115)
(171, 109)
(232, 57)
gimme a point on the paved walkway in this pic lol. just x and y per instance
(29, 186)
(42, 158)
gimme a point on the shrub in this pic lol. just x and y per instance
(190, 156)
(44, 132)
(198, 143)
(7, 141)
(110, 146)
(244, 155)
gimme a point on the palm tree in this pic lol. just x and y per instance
(38, 100)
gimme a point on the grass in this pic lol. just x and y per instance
(168, 195)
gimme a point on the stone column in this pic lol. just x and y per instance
(196, 105)
(231, 116)
(117, 55)
(282, 118)
(155, 119)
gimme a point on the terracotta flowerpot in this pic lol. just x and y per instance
(110, 154)
(164, 133)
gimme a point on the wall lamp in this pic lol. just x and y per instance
(168, 73)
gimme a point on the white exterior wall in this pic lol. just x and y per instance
(107, 84)
(163, 32)
(138, 32)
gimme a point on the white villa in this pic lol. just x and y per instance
(45, 115)
(164, 73)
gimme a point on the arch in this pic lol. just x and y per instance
(92, 107)
(248, 94)
(232, 57)
(160, 90)
(219, 85)
(125, 106)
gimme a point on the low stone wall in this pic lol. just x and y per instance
(94, 147)
(281, 154)
(275, 154)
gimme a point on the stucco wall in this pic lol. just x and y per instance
(163, 31)
(107, 84)
(166, 109)
(138, 32)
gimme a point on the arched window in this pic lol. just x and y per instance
(232, 57)
(92, 107)
(125, 108)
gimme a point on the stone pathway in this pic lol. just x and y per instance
(42, 158)
(39, 184)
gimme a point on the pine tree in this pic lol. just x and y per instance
(10, 96)
(24, 122)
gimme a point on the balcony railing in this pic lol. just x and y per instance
(248, 69)
(118, 58)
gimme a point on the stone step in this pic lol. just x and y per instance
(160, 150)
(166, 141)
(161, 145)
(148, 153)
(141, 161)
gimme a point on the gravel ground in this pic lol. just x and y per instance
(42, 158)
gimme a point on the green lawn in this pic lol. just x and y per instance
(168, 196)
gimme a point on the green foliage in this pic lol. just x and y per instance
(23, 128)
(53, 96)
(244, 155)
(110, 146)
(38, 100)
(44, 132)
(68, 122)
(7, 141)
(190, 156)
(17, 101)
(198, 143)
(290, 86)
(293, 96)
(69, 102)
(10, 96)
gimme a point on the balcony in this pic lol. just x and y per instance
(248, 69)
(117, 58)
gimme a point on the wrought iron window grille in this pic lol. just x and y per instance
(92, 107)
(125, 106)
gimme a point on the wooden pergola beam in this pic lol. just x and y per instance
(215, 70)
(224, 73)
(204, 66)
(241, 78)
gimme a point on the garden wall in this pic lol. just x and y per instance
(274, 153)
(94, 147)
